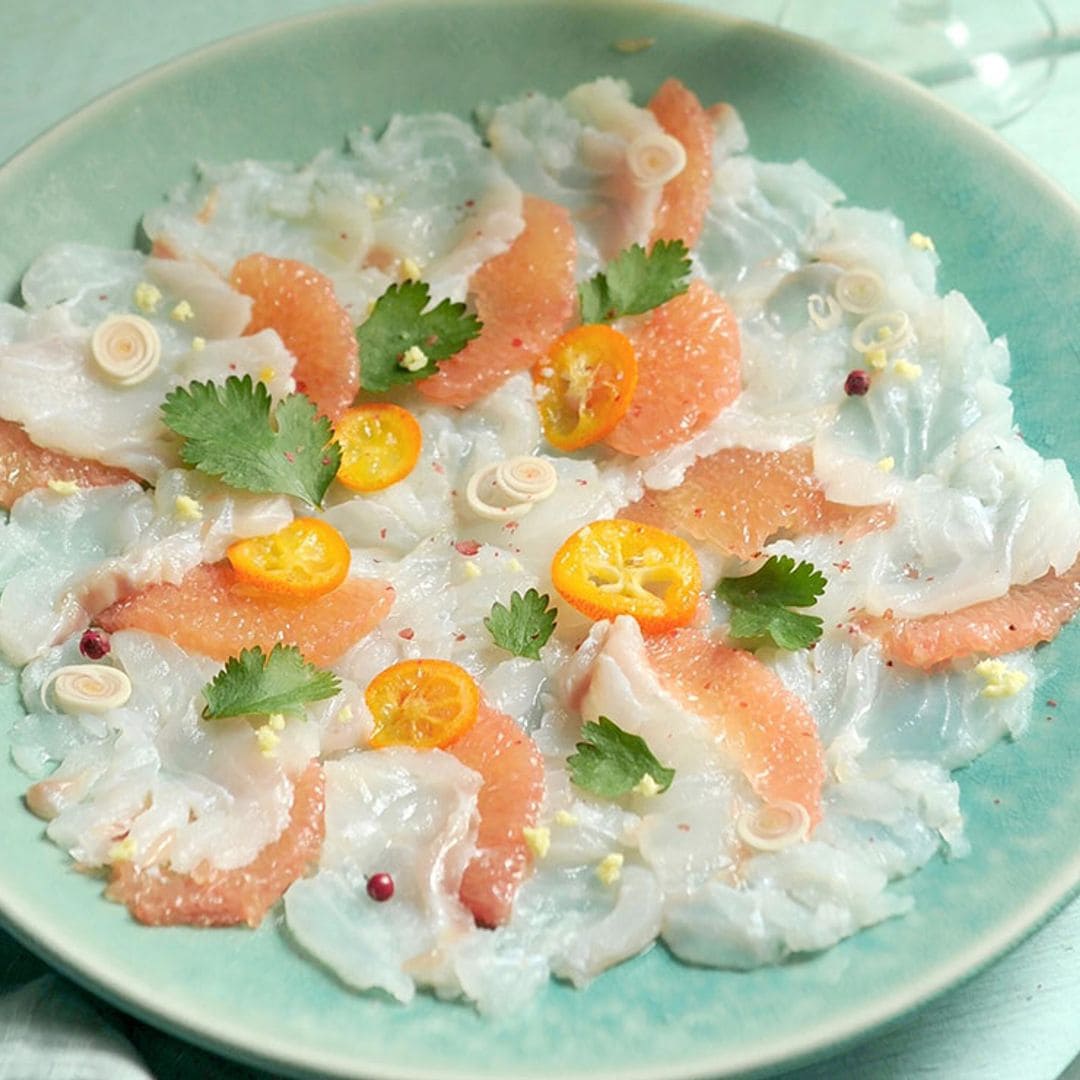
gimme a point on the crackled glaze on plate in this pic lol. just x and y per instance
(1007, 239)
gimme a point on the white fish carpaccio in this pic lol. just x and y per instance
(574, 152)
(447, 564)
(63, 558)
(53, 388)
(447, 203)
(976, 511)
(425, 193)
(867, 711)
(409, 814)
(92, 282)
(611, 676)
(566, 922)
(885, 813)
(183, 790)
(50, 542)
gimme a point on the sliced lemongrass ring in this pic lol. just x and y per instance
(860, 291)
(526, 478)
(126, 348)
(823, 311)
(655, 159)
(86, 688)
(774, 826)
(486, 500)
(886, 330)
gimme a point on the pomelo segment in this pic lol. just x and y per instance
(524, 297)
(25, 466)
(211, 613)
(513, 771)
(685, 198)
(689, 369)
(1026, 615)
(157, 896)
(766, 729)
(299, 303)
(737, 500)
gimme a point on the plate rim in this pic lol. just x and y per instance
(824, 1041)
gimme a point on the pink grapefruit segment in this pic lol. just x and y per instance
(161, 248)
(766, 729)
(158, 896)
(25, 466)
(299, 303)
(513, 789)
(689, 369)
(211, 613)
(524, 297)
(737, 500)
(685, 198)
(1026, 615)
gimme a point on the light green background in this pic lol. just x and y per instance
(1021, 1018)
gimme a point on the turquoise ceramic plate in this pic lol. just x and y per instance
(1007, 239)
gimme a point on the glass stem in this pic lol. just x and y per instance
(916, 12)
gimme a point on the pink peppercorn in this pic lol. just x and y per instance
(857, 383)
(380, 887)
(94, 644)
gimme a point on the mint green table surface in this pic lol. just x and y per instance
(1020, 1020)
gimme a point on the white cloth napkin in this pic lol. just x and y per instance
(49, 1030)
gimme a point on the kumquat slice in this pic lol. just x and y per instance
(380, 445)
(426, 704)
(621, 567)
(584, 385)
(307, 558)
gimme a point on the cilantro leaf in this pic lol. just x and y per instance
(228, 432)
(256, 683)
(611, 762)
(760, 602)
(525, 626)
(789, 630)
(779, 581)
(398, 323)
(635, 282)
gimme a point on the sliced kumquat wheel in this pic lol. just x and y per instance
(380, 445)
(621, 567)
(307, 558)
(422, 703)
(584, 385)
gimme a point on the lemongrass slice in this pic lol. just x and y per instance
(823, 311)
(126, 348)
(486, 500)
(886, 330)
(860, 291)
(655, 159)
(86, 688)
(774, 826)
(526, 479)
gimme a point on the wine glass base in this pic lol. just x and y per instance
(991, 61)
